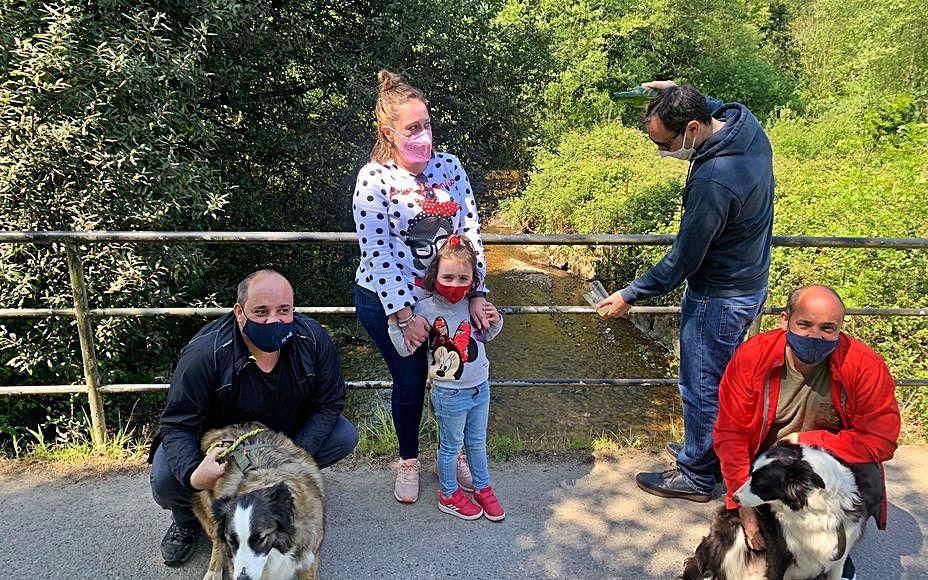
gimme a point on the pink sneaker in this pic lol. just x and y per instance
(465, 479)
(462, 470)
(406, 488)
(459, 505)
(487, 500)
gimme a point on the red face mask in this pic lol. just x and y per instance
(452, 294)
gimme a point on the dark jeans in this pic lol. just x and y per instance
(409, 373)
(711, 328)
(170, 494)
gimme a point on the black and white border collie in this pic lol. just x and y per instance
(810, 513)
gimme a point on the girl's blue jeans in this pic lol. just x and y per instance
(462, 416)
(711, 328)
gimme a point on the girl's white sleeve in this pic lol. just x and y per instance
(396, 337)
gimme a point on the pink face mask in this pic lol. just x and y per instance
(416, 148)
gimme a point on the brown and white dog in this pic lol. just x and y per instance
(265, 516)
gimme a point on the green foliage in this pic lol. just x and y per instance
(856, 47)
(608, 179)
(100, 131)
(599, 48)
(605, 179)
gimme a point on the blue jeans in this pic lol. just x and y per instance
(408, 373)
(171, 494)
(462, 421)
(711, 328)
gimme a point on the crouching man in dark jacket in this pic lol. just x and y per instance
(260, 362)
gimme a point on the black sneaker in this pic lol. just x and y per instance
(673, 449)
(178, 544)
(670, 483)
(849, 572)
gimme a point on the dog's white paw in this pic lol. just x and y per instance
(210, 575)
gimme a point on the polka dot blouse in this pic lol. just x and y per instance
(402, 219)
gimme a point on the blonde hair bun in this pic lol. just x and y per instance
(388, 80)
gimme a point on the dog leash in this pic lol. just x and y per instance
(842, 542)
(235, 444)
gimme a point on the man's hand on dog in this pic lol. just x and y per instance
(208, 472)
(752, 534)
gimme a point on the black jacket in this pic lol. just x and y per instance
(723, 245)
(205, 393)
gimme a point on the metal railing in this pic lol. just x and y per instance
(94, 387)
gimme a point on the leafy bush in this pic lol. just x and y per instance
(607, 180)
(598, 48)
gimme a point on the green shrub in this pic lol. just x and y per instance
(601, 47)
(606, 180)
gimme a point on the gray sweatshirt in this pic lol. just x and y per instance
(457, 357)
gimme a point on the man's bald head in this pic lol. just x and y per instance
(814, 310)
(264, 277)
(817, 296)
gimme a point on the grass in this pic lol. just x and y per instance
(72, 442)
(377, 437)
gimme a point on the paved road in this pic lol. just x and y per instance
(566, 519)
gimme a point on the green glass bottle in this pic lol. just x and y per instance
(637, 97)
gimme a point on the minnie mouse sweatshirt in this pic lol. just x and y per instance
(457, 356)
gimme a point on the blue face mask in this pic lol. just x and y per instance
(269, 337)
(809, 350)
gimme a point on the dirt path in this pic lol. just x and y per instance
(567, 519)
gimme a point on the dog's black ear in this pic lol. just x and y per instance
(280, 502)
(799, 481)
(817, 480)
(787, 444)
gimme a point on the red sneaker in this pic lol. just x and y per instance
(487, 500)
(459, 505)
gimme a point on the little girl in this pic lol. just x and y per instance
(459, 370)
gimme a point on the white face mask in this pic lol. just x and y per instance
(684, 153)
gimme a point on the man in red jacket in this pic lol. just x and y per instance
(808, 383)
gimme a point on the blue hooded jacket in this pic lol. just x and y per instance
(723, 245)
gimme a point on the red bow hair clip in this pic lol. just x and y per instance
(454, 241)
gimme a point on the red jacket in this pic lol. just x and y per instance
(862, 392)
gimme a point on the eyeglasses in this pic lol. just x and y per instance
(665, 145)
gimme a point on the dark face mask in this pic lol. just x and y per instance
(809, 350)
(271, 336)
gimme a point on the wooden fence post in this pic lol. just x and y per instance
(88, 354)
(754, 328)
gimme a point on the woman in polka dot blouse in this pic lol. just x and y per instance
(406, 203)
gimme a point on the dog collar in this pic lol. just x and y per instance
(241, 456)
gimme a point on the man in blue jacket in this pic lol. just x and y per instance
(722, 251)
(260, 362)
